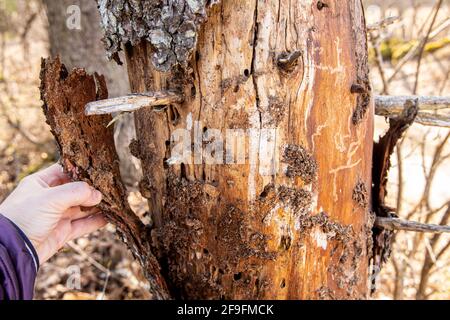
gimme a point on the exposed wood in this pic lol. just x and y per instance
(88, 154)
(401, 224)
(283, 224)
(434, 120)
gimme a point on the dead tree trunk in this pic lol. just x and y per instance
(290, 221)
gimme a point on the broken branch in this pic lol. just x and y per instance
(386, 106)
(132, 102)
(401, 224)
(393, 106)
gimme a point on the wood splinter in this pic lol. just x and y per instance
(133, 102)
(401, 224)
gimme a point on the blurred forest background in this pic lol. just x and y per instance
(409, 54)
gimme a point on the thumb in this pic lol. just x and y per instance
(73, 194)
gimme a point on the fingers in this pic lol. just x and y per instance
(76, 213)
(87, 225)
(72, 195)
(66, 231)
(53, 175)
(55, 241)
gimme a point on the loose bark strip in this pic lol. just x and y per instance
(88, 154)
(233, 231)
(401, 224)
(382, 152)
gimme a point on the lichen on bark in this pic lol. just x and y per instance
(170, 26)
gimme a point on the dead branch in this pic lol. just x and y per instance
(423, 43)
(386, 106)
(401, 224)
(393, 106)
(132, 102)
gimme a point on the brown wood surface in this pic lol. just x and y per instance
(228, 231)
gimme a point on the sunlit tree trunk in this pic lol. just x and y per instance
(291, 221)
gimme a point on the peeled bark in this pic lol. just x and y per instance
(285, 224)
(83, 48)
(86, 146)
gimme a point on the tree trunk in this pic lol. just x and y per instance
(83, 48)
(291, 220)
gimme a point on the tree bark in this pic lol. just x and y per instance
(83, 48)
(88, 154)
(292, 221)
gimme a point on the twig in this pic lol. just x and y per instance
(414, 50)
(379, 63)
(401, 224)
(17, 127)
(382, 23)
(132, 102)
(91, 260)
(424, 42)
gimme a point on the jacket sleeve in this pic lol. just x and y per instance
(18, 263)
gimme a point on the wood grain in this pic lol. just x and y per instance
(262, 229)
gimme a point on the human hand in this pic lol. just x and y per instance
(51, 210)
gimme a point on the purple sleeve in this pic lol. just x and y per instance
(18, 263)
